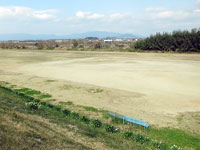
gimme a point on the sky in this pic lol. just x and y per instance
(64, 17)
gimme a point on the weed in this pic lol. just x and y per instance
(58, 108)
(4, 82)
(50, 81)
(50, 100)
(66, 103)
(28, 91)
(44, 96)
(128, 134)
(140, 138)
(44, 103)
(97, 123)
(75, 115)
(110, 128)
(33, 106)
(22, 90)
(50, 105)
(85, 119)
(92, 109)
(117, 120)
(95, 90)
(12, 86)
(66, 112)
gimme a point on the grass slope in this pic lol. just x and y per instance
(46, 129)
(41, 124)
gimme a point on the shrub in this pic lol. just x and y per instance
(128, 134)
(36, 100)
(44, 103)
(75, 115)
(58, 108)
(85, 119)
(97, 123)
(66, 112)
(33, 106)
(110, 128)
(81, 46)
(98, 45)
(140, 138)
(50, 105)
(75, 43)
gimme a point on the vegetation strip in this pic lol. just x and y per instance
(178, 41)
(35, 104)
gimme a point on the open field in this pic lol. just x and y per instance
(162, 89)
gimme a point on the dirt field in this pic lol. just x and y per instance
(162, 89)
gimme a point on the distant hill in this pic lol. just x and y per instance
(102, 34)
(98, 34)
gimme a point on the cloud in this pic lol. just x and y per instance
(89, 15)
(198, 1)
(119, 15)
(171, 15)
(15, 12)
(156, 19)
(154, 9)
(93, 16)
(197, 11)
(161, 13)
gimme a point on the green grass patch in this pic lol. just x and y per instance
(12, 86)
(98, 90)
(50, 100)
(4, 82)
(118, 121)
(32, 92)
(28, 91)
(24, 90)
(175, 136)
(66, 103)
(92, 109)
(44, 95)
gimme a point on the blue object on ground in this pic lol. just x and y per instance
(130, 119)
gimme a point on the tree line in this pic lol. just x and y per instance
(177, 41)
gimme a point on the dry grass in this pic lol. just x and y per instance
(21, 128)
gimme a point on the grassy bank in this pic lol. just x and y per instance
(40, 123)
(48, 128)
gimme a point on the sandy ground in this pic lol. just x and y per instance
(150, 86)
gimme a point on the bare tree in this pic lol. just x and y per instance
(75, 43)
(98, 45)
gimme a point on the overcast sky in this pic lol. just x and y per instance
(62, 17)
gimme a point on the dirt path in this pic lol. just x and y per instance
(152, 87)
